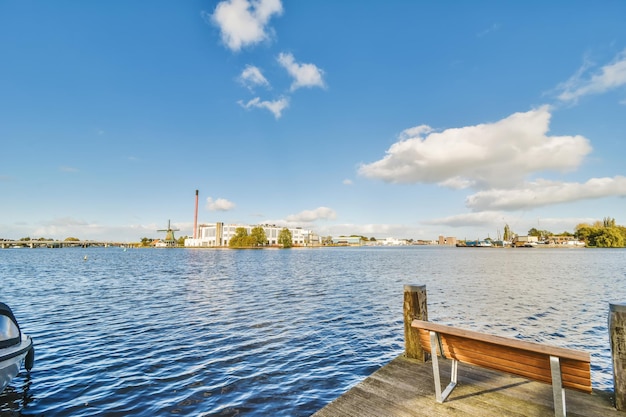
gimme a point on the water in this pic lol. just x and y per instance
(275, 332)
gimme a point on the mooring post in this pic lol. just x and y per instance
(617, 335)
(415, 307)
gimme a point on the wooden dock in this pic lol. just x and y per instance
(405, 388)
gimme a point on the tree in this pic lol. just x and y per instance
(240, 239)
(609, 237)
(605, 234)
(258, 236)
(145, 241)
(72, 239)
(328, 240)
(181, 241)
(541, 234)
(508, 235)
(285, 238)
(608, 222)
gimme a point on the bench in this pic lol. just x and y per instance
(561, 367)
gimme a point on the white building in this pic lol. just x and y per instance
(392, 241)
(219, 234)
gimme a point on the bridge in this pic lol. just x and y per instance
(16, 244)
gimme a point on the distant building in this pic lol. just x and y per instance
(392, 241)
(520, 241)
(450, 240)
(347, 241)
(565, 240)
(219, 234)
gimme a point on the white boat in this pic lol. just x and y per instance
(15, 347)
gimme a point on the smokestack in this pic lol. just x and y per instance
(195, 219)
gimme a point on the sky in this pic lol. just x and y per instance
(404, 119)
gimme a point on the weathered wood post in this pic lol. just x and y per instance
(617, 335)
(415, 307)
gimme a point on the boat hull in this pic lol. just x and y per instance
(11, 360)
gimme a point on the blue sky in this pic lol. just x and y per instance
(404, 119)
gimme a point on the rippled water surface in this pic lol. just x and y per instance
(274, 332)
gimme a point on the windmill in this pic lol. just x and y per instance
(169, 240)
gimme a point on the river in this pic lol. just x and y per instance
(150, 332)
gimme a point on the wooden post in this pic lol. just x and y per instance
(415, 307)
(617, 335)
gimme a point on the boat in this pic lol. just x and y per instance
(474, 244)
(16, 348)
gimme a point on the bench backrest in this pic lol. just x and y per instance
(527, 359)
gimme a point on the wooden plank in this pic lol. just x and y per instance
(505, 341)
(404, 388)
(528, 364)
(527, 359)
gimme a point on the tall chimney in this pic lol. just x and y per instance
(195, 219)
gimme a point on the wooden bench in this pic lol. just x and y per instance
(561, 367)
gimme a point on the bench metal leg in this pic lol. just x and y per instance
(558, 392)
(434, 344)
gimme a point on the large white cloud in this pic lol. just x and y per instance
(609, 77)
(304, 75)
(221, 204)
(308, 216)
(544, 193)
(483, 156)
(244, 22)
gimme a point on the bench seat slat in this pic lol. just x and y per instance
(574, 371)
(505, 341)
(524, 358)
(527, 359)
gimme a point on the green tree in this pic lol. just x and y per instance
(605, 234)
(608, 222)
(72, 239)
(541, 234)
(328, 240)
(258, 236)
(508, 235)
(181, 241)
(240, 239)
(145, 241)
(609, 237)
(285, 238)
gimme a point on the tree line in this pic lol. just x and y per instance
(258, 238)
(600, 234)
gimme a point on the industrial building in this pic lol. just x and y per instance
(219, 234)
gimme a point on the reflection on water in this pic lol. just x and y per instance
(275, 332)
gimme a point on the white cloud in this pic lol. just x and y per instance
(304, 75)
(581, 84)
(308, 216)
(484, 156)
(221, 204)
(251, 77)
(495, 220)
(399, 231)
(543, 193)
(347, 182)
(482, 219)
(244, 22)
(276, 106)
